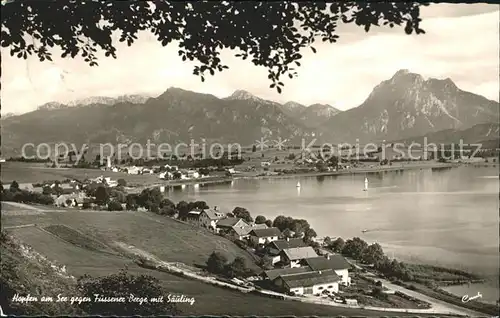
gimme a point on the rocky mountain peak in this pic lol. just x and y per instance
(405, 77)
(293, 105)
(442, 84)
(241, 94)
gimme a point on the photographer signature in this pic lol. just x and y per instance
(466, 298)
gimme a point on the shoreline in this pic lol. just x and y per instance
(354, 171)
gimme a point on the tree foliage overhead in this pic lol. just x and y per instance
(270, 34)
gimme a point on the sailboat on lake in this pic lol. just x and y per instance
(298, 184)
(366, 184)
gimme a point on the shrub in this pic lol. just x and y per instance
(123, 285)
(241, 244)
(114, 206)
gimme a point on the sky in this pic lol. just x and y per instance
(461, 42)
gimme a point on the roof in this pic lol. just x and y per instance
(285, 244)
(298, 253)
(193, 215)
(245, 230)
(310, 279)
(214, 215)
(336, 262)
(79, 197)
(260, 226)
(272, 231)
(25, 186)
(275, 273)
(228, 222)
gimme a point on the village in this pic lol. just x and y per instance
(294, 265)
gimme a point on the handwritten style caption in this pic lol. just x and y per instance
(98, 298)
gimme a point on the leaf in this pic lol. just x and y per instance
(279, 89)
(313, 49)
(202, 79)
(297, 63)
(272, 85)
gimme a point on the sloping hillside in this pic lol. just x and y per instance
(23, 272)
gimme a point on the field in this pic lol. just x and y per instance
(78, 239)
(36, 172)
(166, 238)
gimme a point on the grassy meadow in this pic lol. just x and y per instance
(80, 240)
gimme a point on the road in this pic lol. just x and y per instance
(437, 305)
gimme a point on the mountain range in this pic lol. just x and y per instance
(403, 106)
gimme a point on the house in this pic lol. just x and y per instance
(309, 283)
(26, 187)
(275, 273)
(190, 174)
(293, 256)
(244, 232)
(232, 226)
(207, 218)
(210, 217)
(133, 170)
(193, 217)
(275, 247)
(229, 222)
(237, 227)
(337, 263)
(76, 199)
(66, 188)
(166, 175)
(264, 236)
(147, 171)
(171, 168)
(38, 189)
(264, 164)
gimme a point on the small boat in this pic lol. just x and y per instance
(366, 185)
(298, 184)
(364, 231)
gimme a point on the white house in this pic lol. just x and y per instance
(166, 175)
(265, 164)
(133, 170)
(264, 236)
(76, 199)
(190, 174)
(336, 263)
(309, 283)
(147, 171)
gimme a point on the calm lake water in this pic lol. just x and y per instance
(441, 216)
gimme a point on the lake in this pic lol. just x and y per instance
(447, 216)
